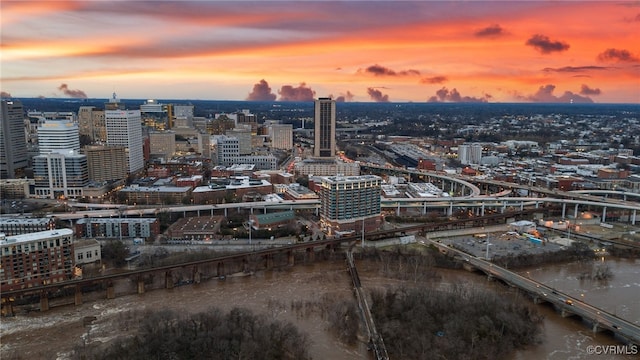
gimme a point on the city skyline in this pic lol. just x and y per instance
(364, 51)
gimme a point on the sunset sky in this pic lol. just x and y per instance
(365, 51)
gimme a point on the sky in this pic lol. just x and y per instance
(356, 51)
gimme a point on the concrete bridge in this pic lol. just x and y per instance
(598, 319)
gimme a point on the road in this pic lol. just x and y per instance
(567, 304)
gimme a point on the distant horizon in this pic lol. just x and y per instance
(357, 51)
(79, 100)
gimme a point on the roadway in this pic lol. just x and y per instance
(386, 203)
(568, 305)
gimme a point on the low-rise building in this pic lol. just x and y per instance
(15, 226)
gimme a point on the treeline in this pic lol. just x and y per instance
(238, 334)
(462, 323)
(577, 251)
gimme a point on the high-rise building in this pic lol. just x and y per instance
(155, 114)
(13, 142)
(58, 136)
(243, 134)
(350, 203)
(91, 123)
(470, 153)
(325, 128)
(60, 170)
(106, 163)
(228, 150)
(162, 144)
(281, 136)
(124, 128)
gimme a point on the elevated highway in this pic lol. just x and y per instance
(539, 292)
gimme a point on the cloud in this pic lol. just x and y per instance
(444, 95)
(377, 96)
(261, 92)
(545, 95)
(79, 94)
(617, 55)
(345, 97)
(490, 31)
(434, 80)
(4, 94)
(574, 69)
(543, 44)
(378, 70)
(300, 93)
(586, 90)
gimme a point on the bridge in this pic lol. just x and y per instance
(569, 306)
(375, 339)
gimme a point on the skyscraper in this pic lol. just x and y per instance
(91, 123)
(124, 128)
(60, 170)
(325, 128)
(13, 143)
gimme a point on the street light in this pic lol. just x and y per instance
(250, 222)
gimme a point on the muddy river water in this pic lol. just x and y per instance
(53, 334)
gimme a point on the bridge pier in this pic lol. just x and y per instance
(140, 285)
(168, 280)
(77, 296)
(268, 261)
(290, 258)
(111, 290)
(197, 275)
(7, 307)
(468, 267)
(538, 300)
(221, 271)
(44, 301)
(311, 254)
(596, 328)
(564, 313)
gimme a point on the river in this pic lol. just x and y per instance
(569, 338)
(273, 292)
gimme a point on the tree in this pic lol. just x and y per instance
(115, 251)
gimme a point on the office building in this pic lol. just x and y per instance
(35, 259)
(13, 143)
(325, 128)
(58, 136)
(228, 150)
(162, 144)
(281, 136)
(350, 204)
(124, 128)
(60, 171)
(106, 163)
(244, 136)
(91, 123)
